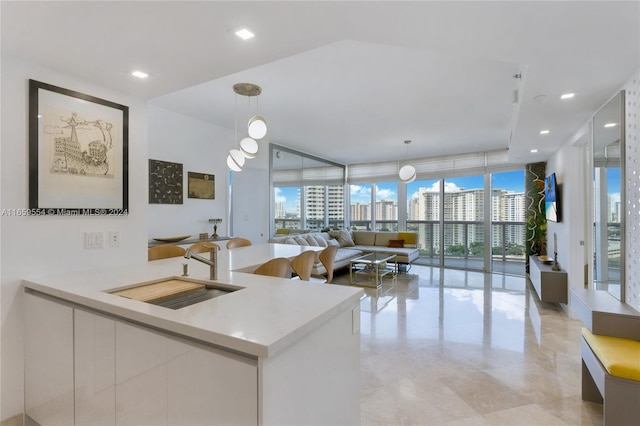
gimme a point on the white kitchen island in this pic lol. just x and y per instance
(275, 351)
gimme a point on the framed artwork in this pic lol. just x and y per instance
(202, 185)
(165, 182)
(78, 153)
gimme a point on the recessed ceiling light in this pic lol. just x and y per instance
(567, 95)
(544, 132)
(139, 74)
(611, 125)
(533, 151)
(244, 34)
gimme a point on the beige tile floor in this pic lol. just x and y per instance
(449, 347)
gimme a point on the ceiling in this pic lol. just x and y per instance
(350, 81)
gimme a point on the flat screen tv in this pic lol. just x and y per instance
(551, 198)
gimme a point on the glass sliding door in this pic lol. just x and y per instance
(508, 231)
(423, 216)
(463, 233)
(360, 207)
(386, 211)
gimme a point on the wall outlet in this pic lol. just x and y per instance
(93, 240)
(114, 238)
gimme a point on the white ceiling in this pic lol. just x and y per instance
(350, 81)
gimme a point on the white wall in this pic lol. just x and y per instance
(200, 147)
(38, 245)
(568, 163)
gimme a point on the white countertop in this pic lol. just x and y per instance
(259, 320)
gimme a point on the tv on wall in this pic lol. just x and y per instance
(551, 198)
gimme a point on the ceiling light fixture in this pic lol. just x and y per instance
(257, 126)
(533, 151)
(407, 173)
(245, 34)
(139, 74)
(610, 125)
(567, 95)
(544, 132)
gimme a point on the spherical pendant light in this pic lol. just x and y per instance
(249, 147)
(407, 174)
(257, 127)
(235, 160)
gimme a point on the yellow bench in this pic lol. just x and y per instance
(611, 376)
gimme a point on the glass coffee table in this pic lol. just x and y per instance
(374, 266)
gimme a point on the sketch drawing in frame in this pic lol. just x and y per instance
(78, 153)
(202, 185)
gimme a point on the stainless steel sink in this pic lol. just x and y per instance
(174, 292)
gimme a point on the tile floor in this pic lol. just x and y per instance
(450, 347)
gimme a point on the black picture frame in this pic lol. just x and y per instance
(78, 153)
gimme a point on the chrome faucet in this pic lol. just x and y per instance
(212, 261)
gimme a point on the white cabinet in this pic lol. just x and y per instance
(114, 372)
(94, 366)
(48, 361)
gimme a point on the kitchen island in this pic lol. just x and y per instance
(274, 351)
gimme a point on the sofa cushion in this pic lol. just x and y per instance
(410, 238)
(364, 238)
(344, 237)
(291, 241)
(383, 238)
(333, 242)
(396, 243)
(311, 240)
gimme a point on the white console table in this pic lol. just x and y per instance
(550, 285)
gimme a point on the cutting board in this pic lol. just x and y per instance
(161, 290)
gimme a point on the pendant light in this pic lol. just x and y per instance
(257, 128)
(407, 173)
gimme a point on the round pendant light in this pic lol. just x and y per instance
(257, 127)
(249, 147)
(235, 160)
(407, 174)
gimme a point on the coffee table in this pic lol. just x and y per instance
(373, 265)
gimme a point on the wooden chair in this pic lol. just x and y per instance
(164, 251)
(327, 258)
(303, 263)
(238, 242)
(203, 247)
(278, 267)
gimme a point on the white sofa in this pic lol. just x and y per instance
(356, 243)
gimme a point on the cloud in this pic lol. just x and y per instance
(385, 194)
(279, 197)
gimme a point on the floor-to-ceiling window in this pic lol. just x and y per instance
(386, 210)
(463, 226)
(360, 206)
(423, 217)
(508, 231)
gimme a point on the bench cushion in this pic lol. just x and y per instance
(620, 357)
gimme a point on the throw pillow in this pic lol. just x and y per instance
(344, 237)
(321, 241)
(396, 243)
(333, 242)
(311, 240)
(291, 241)
(301, 241)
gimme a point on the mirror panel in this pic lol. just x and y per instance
(608, 197)
(307, 191)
